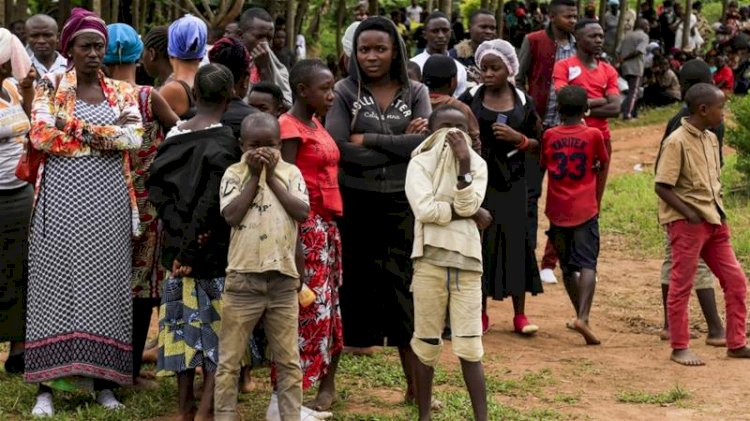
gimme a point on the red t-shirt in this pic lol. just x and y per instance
(318, 160)
(568, 154)
(725, 74)
(598, 83)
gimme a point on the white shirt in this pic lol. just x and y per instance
(414, 13)
(60, 65)
(421, 59)
(301, 47)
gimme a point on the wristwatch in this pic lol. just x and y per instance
(465, 178)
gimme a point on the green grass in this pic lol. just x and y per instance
(629, 210)
(17, 398)
(647, 117)
(674, 395)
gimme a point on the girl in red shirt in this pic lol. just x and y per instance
(307, 144)
(724, 77)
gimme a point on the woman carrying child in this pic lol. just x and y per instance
(508, 126)
(307, 144)
(184, 188)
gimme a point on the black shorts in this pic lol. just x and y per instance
(577, 247)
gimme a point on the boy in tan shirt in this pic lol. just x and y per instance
(262, 198)
(691, 208)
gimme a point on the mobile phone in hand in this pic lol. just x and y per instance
(501, 118)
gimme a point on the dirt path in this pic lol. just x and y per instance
(627, 316)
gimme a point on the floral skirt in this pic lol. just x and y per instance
(189, 322)
(321, 334)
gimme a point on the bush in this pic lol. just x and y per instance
(739, 133)
(467, 8)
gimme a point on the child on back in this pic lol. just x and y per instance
(691, 208)
(445, 185)
(263, 199)
(569, 152)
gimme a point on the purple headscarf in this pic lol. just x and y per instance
(81, 21)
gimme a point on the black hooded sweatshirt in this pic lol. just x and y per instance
(379, 165)
(184, 187)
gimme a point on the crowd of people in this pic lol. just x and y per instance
(262, 200)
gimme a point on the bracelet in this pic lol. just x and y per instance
(524, 143)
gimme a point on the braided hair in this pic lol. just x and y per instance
(214, 84)
(232, 53)
(158, 39)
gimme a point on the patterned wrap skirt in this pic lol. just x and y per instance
(189, 320)
(321, 333)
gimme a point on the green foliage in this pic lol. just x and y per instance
(629, 210)
(673, 395)
(739, 133)
(467, 8)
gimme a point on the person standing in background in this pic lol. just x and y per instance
(631, 53)
(414, 12)
(540, 50)
(437, 32)
(482, 27)
(42, 37)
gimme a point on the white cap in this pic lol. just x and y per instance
(348, 39)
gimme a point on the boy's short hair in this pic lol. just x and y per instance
(584, 23)
(438, 71)
(441, 110)
(572, 101)
(694, 72)
(414, 68)
(701, 94)
(271, 89)
(252, 121)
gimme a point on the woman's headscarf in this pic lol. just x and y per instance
(187, 38)
(124, 46)
(81, 21)
(11, 49)
(502, 49)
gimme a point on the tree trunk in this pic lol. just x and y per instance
(291, 13)
(724, 4)
(22, 9)
(579, 7)
(485, 4)
(374, 6)
(299, 19)
(500, 17)
(63, 12)
(603, 9)
(314, 29)
(686, 23)
(4, 21)
(340, 14)
(446, 6)
(621, 23)
(430, 5)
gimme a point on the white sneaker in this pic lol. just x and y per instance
(272, 414)
(43, 406)
(548, 276)
(108, 400)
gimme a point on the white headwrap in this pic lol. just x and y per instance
(504, 50)
(11, 49)
(348, 39)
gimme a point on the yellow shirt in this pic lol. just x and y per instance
(266, 238)
(689, 162)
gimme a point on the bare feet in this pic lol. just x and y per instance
(571, 324)
(436, 405)
(583, 328)
(743, 352)
(686, 357)
(323, 402)
(717, 342)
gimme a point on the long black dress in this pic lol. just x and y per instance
(510, 267)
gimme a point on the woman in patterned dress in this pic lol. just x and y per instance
(79, 306)
(123, 52)
(184, 188)
(307, 144)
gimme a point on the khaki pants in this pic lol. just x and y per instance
(434, 288)
(704, 279)
(247, 296)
